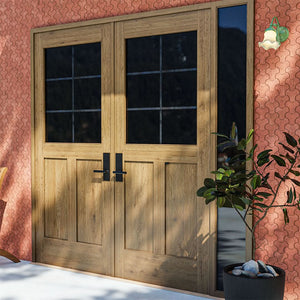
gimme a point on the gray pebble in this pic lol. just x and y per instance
(249, 274)
(262, 267)
(272, 271)
(237, 272)
(251, 266)
(265, 275)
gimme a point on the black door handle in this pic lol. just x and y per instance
(119, 172)
(119, 167)
(106, 167)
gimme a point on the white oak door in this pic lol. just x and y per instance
(162, 133)
(72, 132)
(121, 132)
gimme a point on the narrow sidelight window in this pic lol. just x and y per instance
(232, 48)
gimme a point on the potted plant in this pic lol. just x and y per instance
(251, 184)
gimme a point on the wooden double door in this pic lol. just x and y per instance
(115, 178)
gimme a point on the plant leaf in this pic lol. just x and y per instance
(289, 196)
(263, 161)
(201, 191)
(290, 139)
(238, 207)
(221, 135)
(250, 134)
(287, 148)
(296, 173)
(263, 154)
(279, 160)
(246, 200)
(278, 176)
(264, 194)
(221, 201)
(295, 181)
(255, 181)
(262, 205)
(286, 217)
(209, 183)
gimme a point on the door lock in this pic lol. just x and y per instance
(119, 167)
(106, 167)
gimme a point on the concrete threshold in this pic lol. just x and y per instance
(30, 281)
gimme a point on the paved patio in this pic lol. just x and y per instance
(27, 281)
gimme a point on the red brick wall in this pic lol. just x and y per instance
(277, 85)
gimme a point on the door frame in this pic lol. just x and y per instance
(212, 6)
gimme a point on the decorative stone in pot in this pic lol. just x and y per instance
(243, 286)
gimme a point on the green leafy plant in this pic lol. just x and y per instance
(255, 189)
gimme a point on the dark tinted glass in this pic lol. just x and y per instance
(179, 50)
(58, 62)
(143, 127)
(59, 95)
(142, 54)
(179, 89)
(87, 59)
(87, 93)
(165, 76)
(143, 90)
(232, 36)
(87, 127)
(59, 127)
(71, 97)
(179, 126)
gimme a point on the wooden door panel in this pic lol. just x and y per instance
(181, 210)
(75, 206)
(139, 196)
(161, 269)
(89, 201)
(56, 198)
(161, 228)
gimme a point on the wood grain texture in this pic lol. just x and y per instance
(139, 198)
(89, 202)
(181, 210)
(56, 199)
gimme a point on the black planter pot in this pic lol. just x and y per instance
(244, 288)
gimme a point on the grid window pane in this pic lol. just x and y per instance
(179, 126)
(142, 54)
(73, 94)
(143, 90)
(87, 93)
(179, 89)
(58, 62)
(59, 127)
(87, 127)
(161, 85)
(59, 95)
(179, 50)
(143, 127)
(87, 59)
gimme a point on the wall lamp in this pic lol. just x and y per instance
(274, 36)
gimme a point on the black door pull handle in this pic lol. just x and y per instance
(106, 167)
(119, 172)
(100, 171)
(119, 167)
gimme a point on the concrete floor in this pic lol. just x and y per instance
(27, 281)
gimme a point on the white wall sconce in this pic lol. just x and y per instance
(274, 36)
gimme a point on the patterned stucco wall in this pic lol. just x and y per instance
(277, 85)
(277, 109)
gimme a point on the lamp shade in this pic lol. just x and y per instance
(270, 40)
